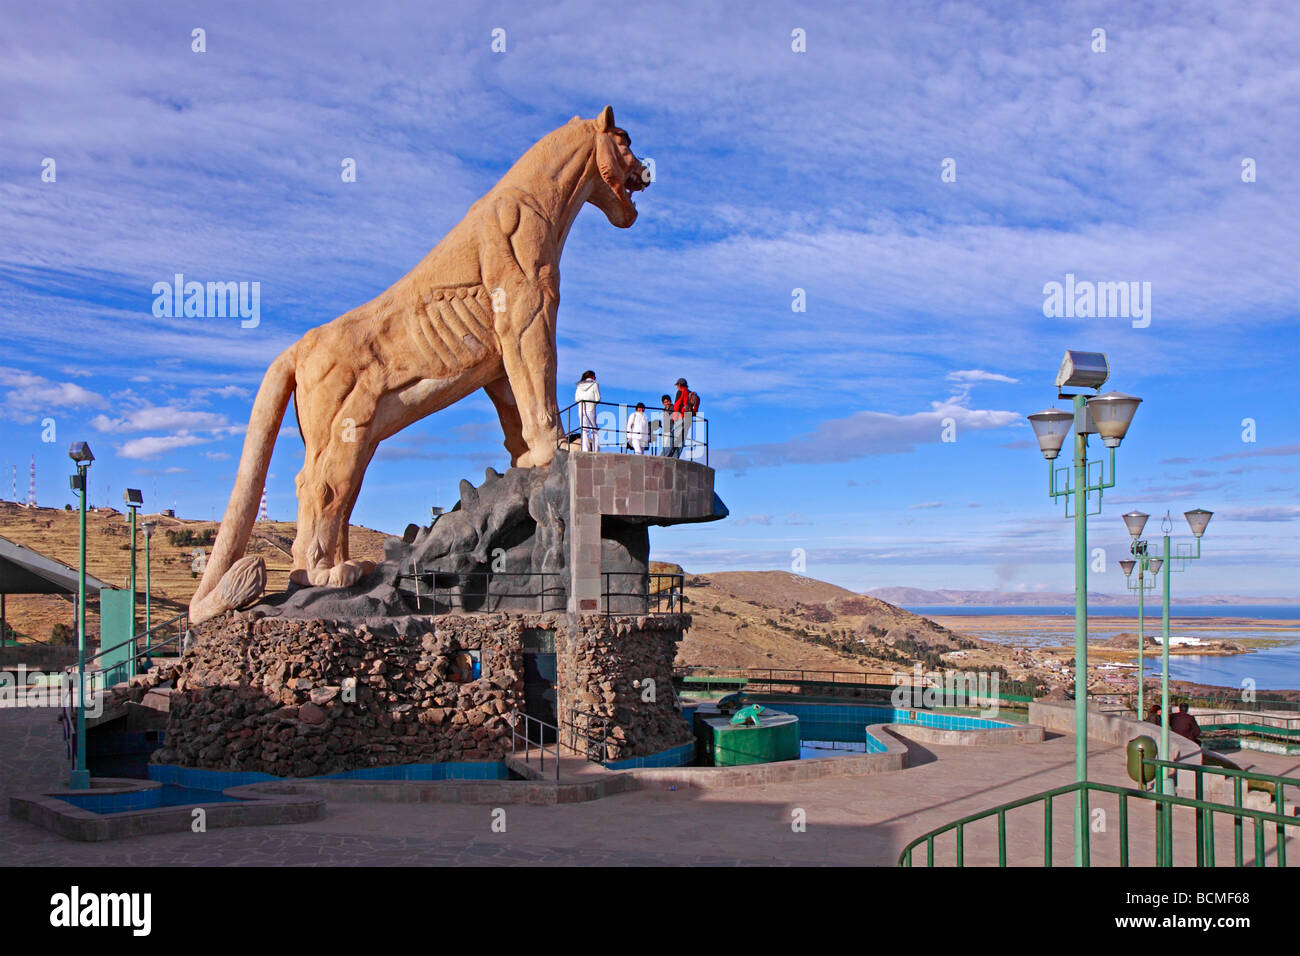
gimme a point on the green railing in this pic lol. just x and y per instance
(1243, 781)
(790, 680)
(1165, 805)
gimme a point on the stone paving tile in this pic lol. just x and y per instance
(33, 753)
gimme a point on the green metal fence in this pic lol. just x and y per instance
(1284, 827)
(830, 683)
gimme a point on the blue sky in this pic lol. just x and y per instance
(775, 170)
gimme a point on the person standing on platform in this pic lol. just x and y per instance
(666, 426)
(587, 395)
(638, 430)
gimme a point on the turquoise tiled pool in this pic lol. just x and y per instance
(168, 795)
(187, 786)
(821, 726)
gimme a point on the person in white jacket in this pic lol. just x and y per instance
(638, 430)
(587, 395)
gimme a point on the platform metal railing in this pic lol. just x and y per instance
(686, 437)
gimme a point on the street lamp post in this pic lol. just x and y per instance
(1163, 564)
(1109, 417)
(133, 500)
(80, 453)
(147, 526)
(1136, 521)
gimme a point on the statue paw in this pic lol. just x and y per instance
(342, 575)
(348, 573)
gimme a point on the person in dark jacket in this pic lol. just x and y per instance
(1185, 725)
(666, 430)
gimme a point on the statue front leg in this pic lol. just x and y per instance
(529, 359)
(327, 489)
(503, 397)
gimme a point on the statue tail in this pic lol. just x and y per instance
(259, 442)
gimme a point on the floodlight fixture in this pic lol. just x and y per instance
(1127, 566)
(1083, 370)
(80, 453)
(133, 498)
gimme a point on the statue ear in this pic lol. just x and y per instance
(605, 121)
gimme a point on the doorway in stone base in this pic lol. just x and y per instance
(539, 677)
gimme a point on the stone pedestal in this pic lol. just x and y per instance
(614, 497)
(621, 668)
(299, 698)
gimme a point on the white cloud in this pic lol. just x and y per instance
(30, 395)
(979, 375)
(864, 434)
(155, 445)
(150, 417)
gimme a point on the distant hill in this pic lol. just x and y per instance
(920, 597)
(173, 554)
(784, 620)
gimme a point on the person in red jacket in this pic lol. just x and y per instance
(681, 416)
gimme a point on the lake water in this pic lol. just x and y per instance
(1262, 612)
(1271, 668)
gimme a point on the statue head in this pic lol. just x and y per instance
(621, 173)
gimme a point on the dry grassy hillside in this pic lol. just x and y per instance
(53, 532)
(779, 619)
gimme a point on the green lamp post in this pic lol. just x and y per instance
(1135, 521)
(147, 527)
(1164, 563)
(1107, 416)
(133, 500)
(80, 454)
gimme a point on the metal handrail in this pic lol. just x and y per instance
(595, 745)
(854, 679)
(455, 597)
(663, 591)
(1232, 700)
(542, 727)
(1252, 780)
(134, 638)
(1084, 789)
(655, 415)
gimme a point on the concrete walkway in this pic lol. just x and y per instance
(849, 821)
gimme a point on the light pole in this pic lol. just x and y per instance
(1109, 417)
(133, 500)
(80, 453)
(147, 526)
(1197, 519)
(1135, 521)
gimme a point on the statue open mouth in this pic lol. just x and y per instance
(634, 180)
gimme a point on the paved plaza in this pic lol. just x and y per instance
(849, 820)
